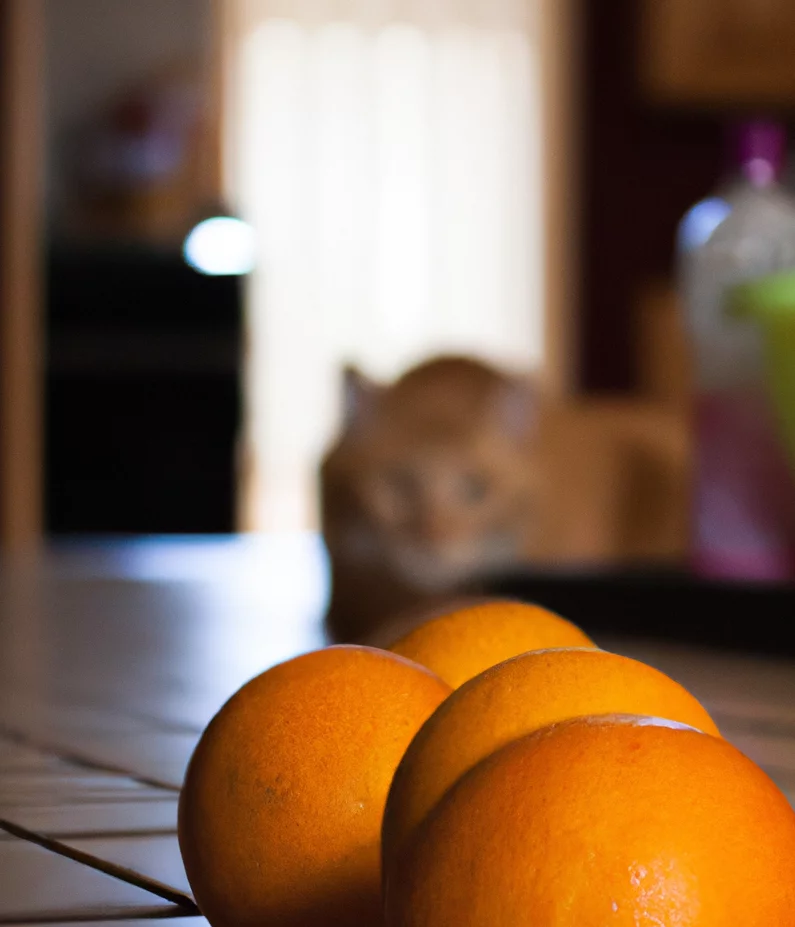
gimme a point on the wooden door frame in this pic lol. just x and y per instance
(560, 43)
(21, 274)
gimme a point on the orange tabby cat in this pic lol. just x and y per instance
(458, 471)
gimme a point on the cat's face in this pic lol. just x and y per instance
(440, 467)
(446, 513)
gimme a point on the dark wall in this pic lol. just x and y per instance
(643, 167)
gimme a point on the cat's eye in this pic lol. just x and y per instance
(474, 487)
(400, 481)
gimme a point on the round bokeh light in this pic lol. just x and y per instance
(221, 246)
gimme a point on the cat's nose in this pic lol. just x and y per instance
(435, 532)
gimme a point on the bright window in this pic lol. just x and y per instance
(389, 156)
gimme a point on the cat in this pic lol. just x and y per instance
(458, 471)
(427, 487)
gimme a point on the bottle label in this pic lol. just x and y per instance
(744, 490)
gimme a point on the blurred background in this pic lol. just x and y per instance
(208, 206)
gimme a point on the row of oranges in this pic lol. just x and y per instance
(493, 768)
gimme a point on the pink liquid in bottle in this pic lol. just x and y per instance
(743, 504)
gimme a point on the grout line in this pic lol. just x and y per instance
(783, 777)
(163, 726)
(121, 915)
(98, 834)
(151, 721)
(94, 862)
(146, 723)
(60, 797)
(61, 800)
(82, 759)
(765, 727)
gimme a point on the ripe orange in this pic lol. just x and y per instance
(513, 699)
(396, 627)
(462, 643)
(599, 822)
(280, 814)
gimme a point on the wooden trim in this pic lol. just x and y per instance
(215, 76)
(225, 44)
(228, 31)
(21, 340)
(560, 24)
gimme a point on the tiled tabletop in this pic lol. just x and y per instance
(114, 657)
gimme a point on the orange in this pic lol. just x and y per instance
(513, 699)
(598, 822)
(460, 644)
(280, 814)
(407, 619)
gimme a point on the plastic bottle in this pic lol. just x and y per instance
(743, 496)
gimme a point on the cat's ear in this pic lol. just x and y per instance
(359, 395)
(518, 406)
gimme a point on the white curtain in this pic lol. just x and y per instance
(388, 154)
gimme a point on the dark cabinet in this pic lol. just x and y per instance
(142, 394)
